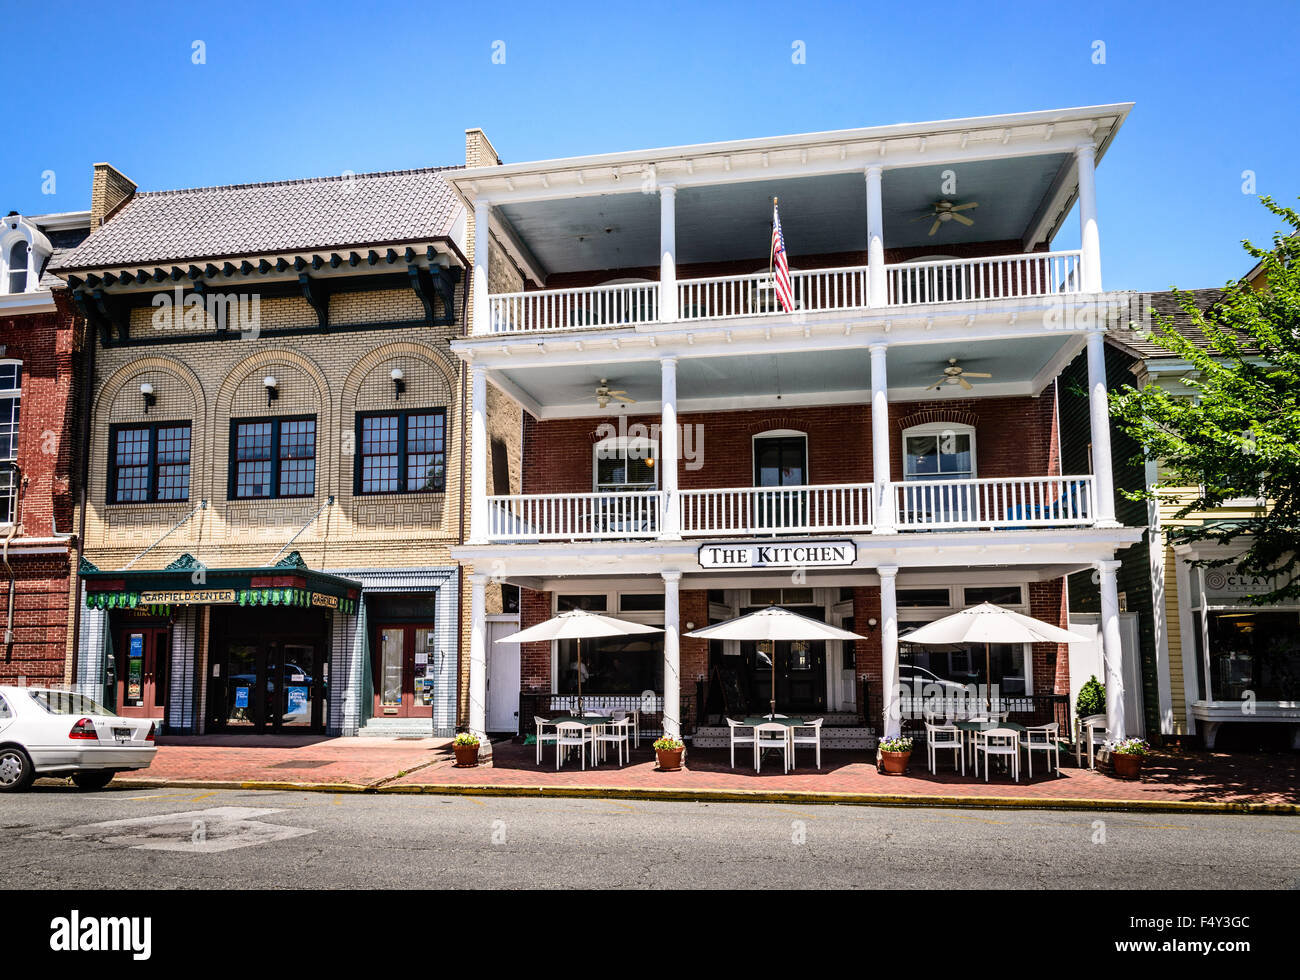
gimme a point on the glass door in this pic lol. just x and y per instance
(405, 670)
(245, 665)
(143, 654)
(780, 461)
(299, 686)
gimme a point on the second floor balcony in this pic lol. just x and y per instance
(762, 512)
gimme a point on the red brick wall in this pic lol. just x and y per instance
(1013, 437)
(48, 346)
(1047, 601)
(534, 658)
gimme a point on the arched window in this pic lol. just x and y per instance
(939, 451)
(18, 267)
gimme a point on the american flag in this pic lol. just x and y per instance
(780, 264)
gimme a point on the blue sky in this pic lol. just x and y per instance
(303, 89)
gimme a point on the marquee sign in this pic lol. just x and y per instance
(188, 597)
(785, 554)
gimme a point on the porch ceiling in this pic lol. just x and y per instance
(819, 215)
(802, 377)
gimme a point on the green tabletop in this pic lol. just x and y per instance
(753, 720)
(587, 720)
(984, 726)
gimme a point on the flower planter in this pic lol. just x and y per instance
(670, 760)
(466, 756)
(1127, 765)
(895, 763)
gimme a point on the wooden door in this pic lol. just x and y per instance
(405, 665)
(143, 658)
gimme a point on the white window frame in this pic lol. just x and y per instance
(938, 429)
(648, 617)
(16, 228)
(16, 395)
(622, 443)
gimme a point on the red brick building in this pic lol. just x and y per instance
(875, 446)
(41, 333)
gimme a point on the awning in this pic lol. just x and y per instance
(289, 582)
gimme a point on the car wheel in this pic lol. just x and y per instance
(96, 779)
(16, 772)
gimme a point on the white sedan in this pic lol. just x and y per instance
(47, 732)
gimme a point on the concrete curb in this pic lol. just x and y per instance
(702, 795)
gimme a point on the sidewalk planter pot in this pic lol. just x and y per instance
(465, 745)
(1127, 757)
(895, 754)
(669, 753)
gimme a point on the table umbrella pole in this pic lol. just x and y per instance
(772, 654)
(988, 678)
(580, 712)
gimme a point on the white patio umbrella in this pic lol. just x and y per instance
(988, 624)
(773, 624)
(578, 624)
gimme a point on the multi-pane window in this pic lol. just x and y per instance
(625, 464)
(273, 458)
(149, 463)
(18, 268)
(402, 452)
(11, 393)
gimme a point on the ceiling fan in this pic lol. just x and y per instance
(954, 374)
(945, 211)
(604, 393)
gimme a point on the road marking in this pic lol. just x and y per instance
(216, 829)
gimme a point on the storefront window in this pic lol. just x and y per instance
(612, 665)
(1254, 654)
(963, 664)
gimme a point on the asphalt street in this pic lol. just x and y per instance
(54, 837)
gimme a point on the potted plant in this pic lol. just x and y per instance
(669, 753)
(895, 753)
(1127, 755)
(465, 745)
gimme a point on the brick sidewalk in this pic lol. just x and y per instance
(289, 758)
(414, 764)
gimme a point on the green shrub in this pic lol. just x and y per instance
(1091, 699)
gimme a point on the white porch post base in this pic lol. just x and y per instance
(1112, 654)
(478, 658)
(889, 651)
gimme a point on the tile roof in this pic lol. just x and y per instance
(282, 216)
(1167, 305)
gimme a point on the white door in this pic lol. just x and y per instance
(502, 678)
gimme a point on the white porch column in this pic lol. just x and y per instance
(669, 451)
(478, 454)
(672, 655)
(1112, 655)
(478, 655)
(668, 252)
(1089, 238)
(1099, 416)
(876, 290)
(889, 674)
(883, 520)
(482, 243)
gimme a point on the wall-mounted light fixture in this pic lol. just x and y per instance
(399, 382)
(272, 389)
(871, 624)
(150, 399)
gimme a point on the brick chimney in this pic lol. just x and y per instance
(108, 192)
(479, 151)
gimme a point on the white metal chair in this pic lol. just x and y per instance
(1091, 728)
(570, 734)
(541, 724)
(1042, 738)
(733, 725)
(635, 717)
(617, 733)
(771, 735)
(944, 738)
(1003, 742)
(815, 726)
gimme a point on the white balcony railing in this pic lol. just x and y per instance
(1037, 501)
(815, 291)
(967, 280)
(574, 516)
(777, 510)
(622, 304)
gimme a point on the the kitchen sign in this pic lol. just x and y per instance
(788, 554)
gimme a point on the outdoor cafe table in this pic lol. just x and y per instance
(586, 721)
(751, 720)
(969, 728)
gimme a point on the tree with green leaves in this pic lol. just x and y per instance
(1238, 434)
